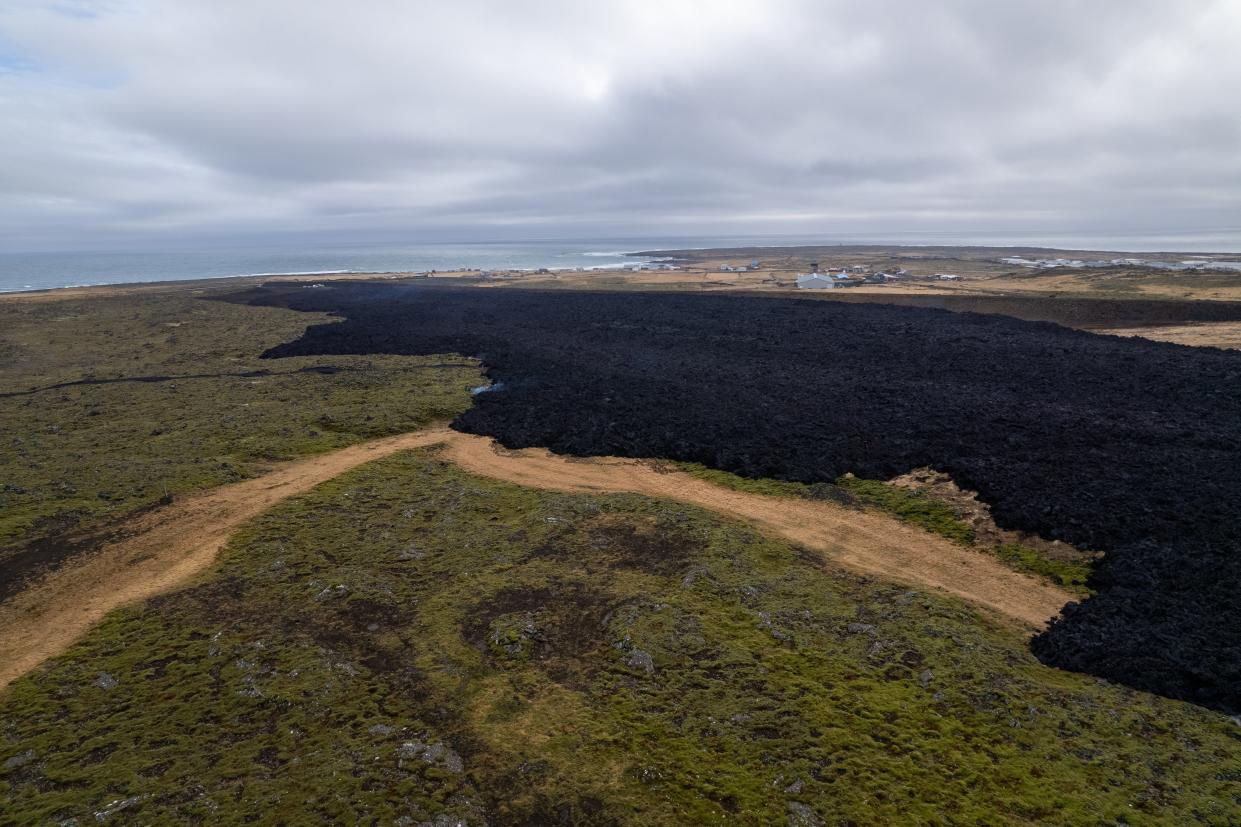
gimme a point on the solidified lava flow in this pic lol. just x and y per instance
(1126, 446)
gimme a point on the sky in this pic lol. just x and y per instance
(159, 121)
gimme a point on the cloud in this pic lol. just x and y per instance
(157, 119)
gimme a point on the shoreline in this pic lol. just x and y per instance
(991, 273)
(309, 275)
(196, 284)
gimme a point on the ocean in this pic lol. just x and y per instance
(46, 270)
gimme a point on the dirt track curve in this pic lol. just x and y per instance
(173, 544)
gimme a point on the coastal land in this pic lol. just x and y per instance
(1159, 296)
(634, 546)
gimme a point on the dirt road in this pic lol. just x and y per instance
(172, 545)
(168, 547)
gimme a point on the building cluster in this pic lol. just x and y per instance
(859, 274)
(1076, 263)
(652, 265)
(728, 268)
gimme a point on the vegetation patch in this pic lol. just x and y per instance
(111, 405)
(762, 486)
(912, 507)
(411, 645)
(1071, 574)
(649, 545)
(554, 623)
(915, 507)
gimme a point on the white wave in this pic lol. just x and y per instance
(290, 273)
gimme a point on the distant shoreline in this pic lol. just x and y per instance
(317, 275)
(197, 284)
(685, 256)
(930, 248)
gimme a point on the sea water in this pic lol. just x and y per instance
(45, 270)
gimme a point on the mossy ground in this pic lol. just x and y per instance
(408, 642)
(1071, 574)
(911, 506)
(73, 457)
(915, 507)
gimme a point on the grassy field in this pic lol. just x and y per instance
(176, 400)
(412, 645)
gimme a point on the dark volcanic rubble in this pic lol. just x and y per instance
(1121, 445)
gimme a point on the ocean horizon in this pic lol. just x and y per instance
(44, 270)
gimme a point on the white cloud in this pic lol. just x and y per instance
(154, 118)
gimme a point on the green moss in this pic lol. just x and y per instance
(1072, 574)
(347, 662)
(911, 506)
(79, 455)
(764, 486)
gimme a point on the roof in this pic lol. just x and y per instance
(815, 280)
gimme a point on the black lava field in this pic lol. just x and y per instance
(1121, 445)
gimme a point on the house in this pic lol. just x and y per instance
(818, 281)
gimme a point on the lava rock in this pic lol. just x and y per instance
(1120, 445)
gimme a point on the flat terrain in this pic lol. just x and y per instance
(170, 546)
(110, 405)
(1142, 301)
(1206, 334)
(980, 271)
(408, 641)
(916, 271)
(1118, 445)
(275, 590)
(165, 548)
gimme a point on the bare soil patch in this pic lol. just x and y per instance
(1217, 334)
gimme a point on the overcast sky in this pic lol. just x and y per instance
(149, 121)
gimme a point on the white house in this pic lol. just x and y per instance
(815, 281)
